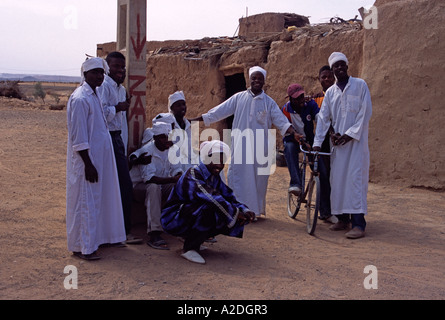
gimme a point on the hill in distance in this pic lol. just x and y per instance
(37, 77)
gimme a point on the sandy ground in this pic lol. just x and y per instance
(276, 259)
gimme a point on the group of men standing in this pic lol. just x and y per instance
(199, 204)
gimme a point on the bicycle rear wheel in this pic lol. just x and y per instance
(313, 205)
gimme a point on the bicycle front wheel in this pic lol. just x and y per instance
(293, 205)
(313, 205)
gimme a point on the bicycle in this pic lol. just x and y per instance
(310, 195)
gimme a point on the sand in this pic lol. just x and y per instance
(276, 259)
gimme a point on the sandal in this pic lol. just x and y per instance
(157, 242)
(90, 257)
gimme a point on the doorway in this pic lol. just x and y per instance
(234, 84)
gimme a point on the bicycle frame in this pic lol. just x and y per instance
(314, 170)
(312, 189)
(293, 206)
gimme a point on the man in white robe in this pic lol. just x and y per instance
(157, 179)
(253, 147)
(93, 203)
(116, 103)
(347, 106)
(182, 131)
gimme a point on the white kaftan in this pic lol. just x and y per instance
(350, 112)
(160, 165)
(93, 210)
(111, 94)
(249, 171)
(186, 153)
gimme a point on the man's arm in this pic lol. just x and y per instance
(143, 159)
(292, 132)
(323, 124)
(111, 110)
(166, 180)
(196, 119)
(122, 106)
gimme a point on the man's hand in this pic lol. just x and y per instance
(335, 137)
(292, 132)
(244, 217)
(122, 106)
(298, 137)
(341, 140)
(306, 145)
(91, 174)
(142, 160)
(176, 178)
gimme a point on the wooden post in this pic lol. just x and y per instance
(131, 41)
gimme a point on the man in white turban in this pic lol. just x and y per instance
(148, 133)
(347, 107)
(257, 69)
(93, 202)
(157, 179)
(335, 57)
(254, 114)
(182, 134)
(177, 96)
(210, 151)
(91, 64)
(201, 206)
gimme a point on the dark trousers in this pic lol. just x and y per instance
(123, 172)
(207, 228)
(356, 220)
(324, 167)
(194, 240)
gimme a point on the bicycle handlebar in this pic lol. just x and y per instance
(315, 152)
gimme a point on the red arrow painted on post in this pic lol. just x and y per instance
(138, 45)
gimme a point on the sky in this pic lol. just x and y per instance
(53, 36)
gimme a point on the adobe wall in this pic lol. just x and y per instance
(296, 58)
(199, 79)
(403, 64)
(300, 59)
(264, 24)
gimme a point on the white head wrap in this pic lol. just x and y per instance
(161, 128)
(178, 95)
(255, 69)
(93, 63)
(335, 57)
(164, 117)
(147, 136)
(209, 148)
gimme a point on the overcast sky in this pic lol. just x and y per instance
(52, 36)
